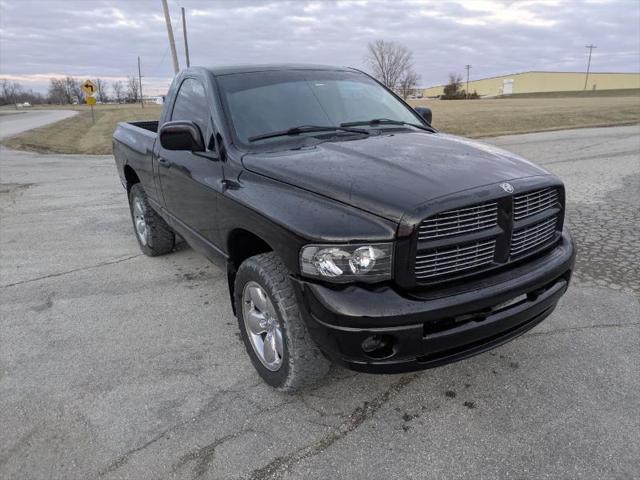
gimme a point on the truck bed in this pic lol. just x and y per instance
(133, 144)
(151, 125)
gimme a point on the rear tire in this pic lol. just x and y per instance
(297, 361)
(154, 236)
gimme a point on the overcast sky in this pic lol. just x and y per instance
(102, 38)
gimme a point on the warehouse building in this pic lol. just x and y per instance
(540, 82)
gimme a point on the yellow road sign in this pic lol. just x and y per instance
(89, 87)
(91, 101)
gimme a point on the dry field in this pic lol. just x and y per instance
(473, 118)
(485, 118)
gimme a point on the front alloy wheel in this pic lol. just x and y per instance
(262, 325)
(272, 329)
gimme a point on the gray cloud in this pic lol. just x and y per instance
(90, 38)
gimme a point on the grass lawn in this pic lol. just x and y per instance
(472, 118)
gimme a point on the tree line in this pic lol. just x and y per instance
(390, 62)
(392, 65)
(68, 90)
(12, 93)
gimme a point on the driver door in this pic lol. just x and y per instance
(191, 182)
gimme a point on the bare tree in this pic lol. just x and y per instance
(74, 86)
(10, 91)
(453, 90)
(101, 90)
(133, 89)
(117, 89)
(58, 91)
(14, 93)
(390, 62)
(408, 83)
(65, 90)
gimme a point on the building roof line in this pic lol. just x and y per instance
(538, 71)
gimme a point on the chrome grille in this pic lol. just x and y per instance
(533, 236)
(530, 203)
(448, 260)
(462, 220)
(482, 237)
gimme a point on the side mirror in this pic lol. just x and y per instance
(425, 113)
(181, 135)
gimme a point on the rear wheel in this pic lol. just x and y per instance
(274, 334)
(154, 236)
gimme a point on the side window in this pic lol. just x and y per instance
(191, 104)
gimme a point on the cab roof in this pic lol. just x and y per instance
(231, 69)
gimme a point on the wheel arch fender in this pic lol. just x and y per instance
(242, 243)
(130, 177)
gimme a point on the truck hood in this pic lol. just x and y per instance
(390, 174)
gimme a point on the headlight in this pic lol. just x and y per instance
(348, 263)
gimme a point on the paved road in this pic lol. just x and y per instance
(115, 365)
(26, 120)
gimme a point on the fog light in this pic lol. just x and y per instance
(379, 346)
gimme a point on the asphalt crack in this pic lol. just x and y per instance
(9, 192)
(274, 469)
(203, 456)
(79, 269)
(124, 458)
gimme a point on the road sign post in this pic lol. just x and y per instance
(89, 88)
(92, 101)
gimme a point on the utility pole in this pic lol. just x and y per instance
(467, 67)
(140, 80)
(586, 79)
(186, 43)
(172, 42)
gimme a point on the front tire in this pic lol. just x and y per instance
(154, 236)
(274, 334)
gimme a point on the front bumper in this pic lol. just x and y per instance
(436, 327)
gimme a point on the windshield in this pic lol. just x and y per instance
(260, 103)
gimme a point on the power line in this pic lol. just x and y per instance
(166, 51)
(164, 56)
(586, 78)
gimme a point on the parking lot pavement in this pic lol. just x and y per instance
(115, 365)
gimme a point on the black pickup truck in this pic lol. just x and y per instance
(350, 229)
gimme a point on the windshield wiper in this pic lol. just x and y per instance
(386, 121)
(307, 128)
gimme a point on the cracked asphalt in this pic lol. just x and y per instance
(115, 365)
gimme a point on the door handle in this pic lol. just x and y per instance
(164, 162)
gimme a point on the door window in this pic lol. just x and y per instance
(191, 104)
